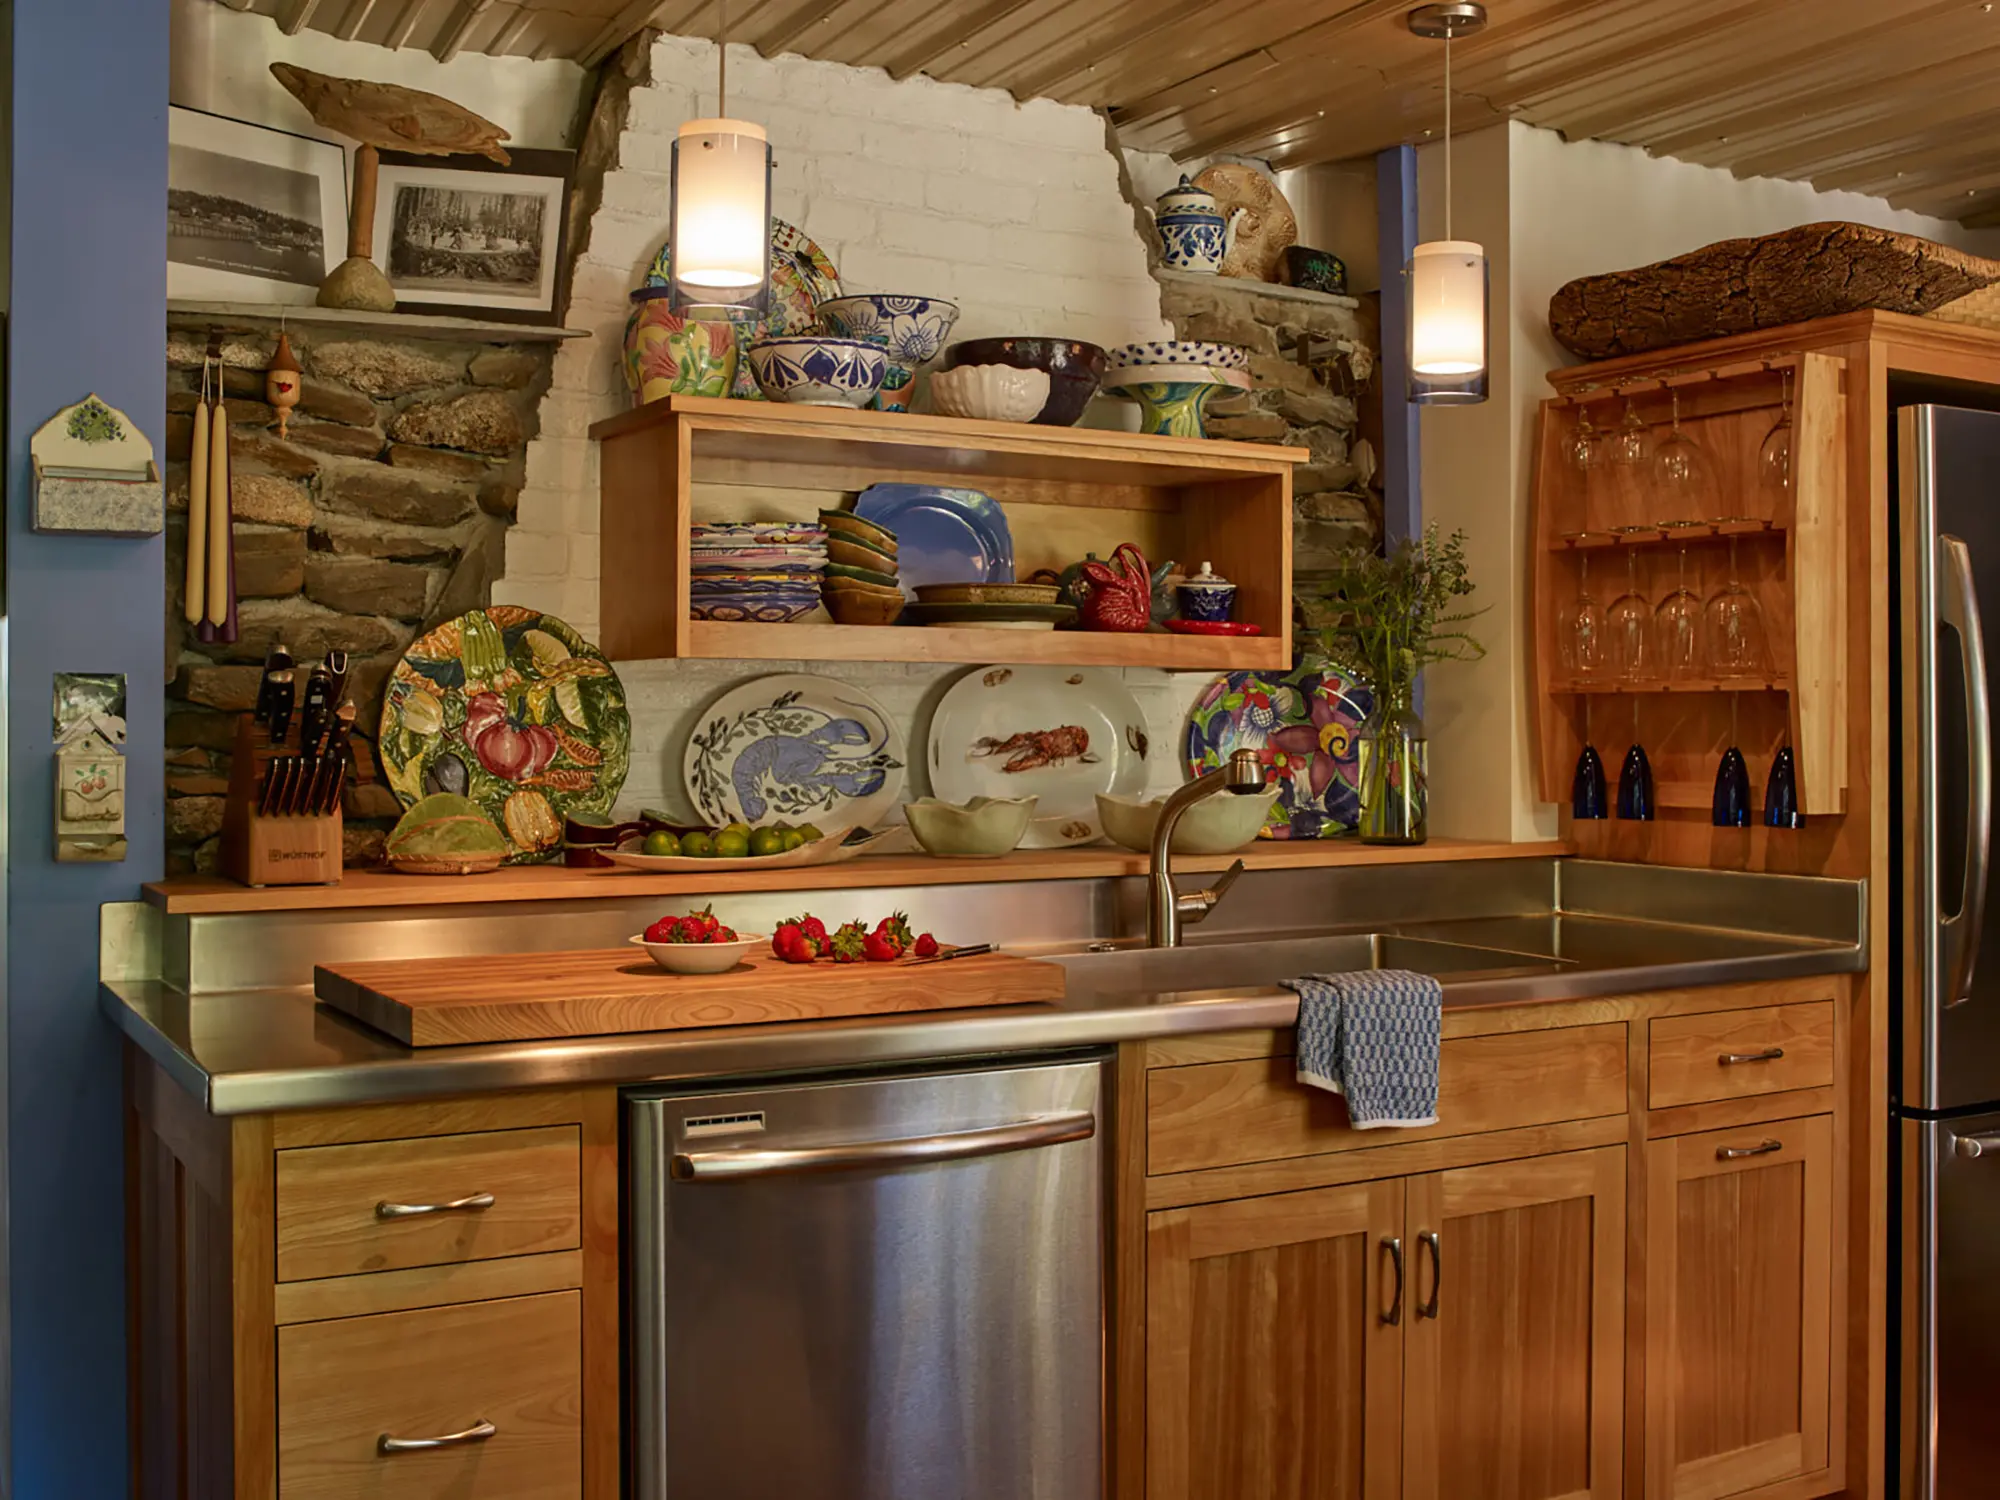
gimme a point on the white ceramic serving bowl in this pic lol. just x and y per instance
(1214, 825)
(984, 828)
(700, 958)
(818, 370)
(1210, 352)
(991, 393)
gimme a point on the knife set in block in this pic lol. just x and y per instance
(281, 822)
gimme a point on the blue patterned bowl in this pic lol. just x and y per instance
(912, 329)
(819, 371)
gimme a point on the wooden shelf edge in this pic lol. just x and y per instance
(211, 895)
(973, 646)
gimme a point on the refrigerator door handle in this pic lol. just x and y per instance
(1958, 610)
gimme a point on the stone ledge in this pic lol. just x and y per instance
(396, 325)
(1256, 288)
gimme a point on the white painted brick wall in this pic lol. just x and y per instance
(1012, 211)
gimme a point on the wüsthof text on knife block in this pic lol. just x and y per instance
(273, 849)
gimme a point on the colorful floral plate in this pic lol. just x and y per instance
(795, 747)
(514, 709)
(1304, 724)
(801, 278)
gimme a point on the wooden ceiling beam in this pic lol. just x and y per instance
(353, 19)
(1169, 58)
(916, 56)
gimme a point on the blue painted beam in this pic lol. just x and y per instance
(86, 312)
(1396, 232)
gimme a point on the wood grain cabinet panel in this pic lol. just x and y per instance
(1739, 1231)
(1226, 1113)
(330, 1201)
(1273, 1370)
(1734, 1054)
(345, 1385)
(1515, 1348)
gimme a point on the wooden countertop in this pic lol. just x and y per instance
(211, 895)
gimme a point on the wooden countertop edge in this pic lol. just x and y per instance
(211, 895)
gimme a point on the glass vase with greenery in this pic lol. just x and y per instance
(1394, 613)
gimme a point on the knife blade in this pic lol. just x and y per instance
(971, 950)
(277, 659)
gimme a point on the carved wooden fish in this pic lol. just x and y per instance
(391, 117)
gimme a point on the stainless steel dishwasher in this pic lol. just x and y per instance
(878, 1288)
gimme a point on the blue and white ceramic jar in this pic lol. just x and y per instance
(1194, 232)
(1206, 596)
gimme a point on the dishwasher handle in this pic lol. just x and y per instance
(1016, 1135)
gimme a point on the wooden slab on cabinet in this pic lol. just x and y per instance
(439, 1002)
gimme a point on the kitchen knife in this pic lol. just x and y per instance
(336, 755)
(283, 692)
(314, 708)
(277, 659)
(971, 950)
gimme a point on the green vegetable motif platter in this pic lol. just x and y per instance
(513, 709)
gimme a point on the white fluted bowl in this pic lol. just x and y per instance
(990, 393)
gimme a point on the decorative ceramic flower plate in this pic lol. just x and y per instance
(796, 748)
(514, 709)
(1304, 725)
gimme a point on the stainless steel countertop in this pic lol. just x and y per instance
(253, 1050)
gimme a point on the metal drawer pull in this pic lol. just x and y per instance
(1737, 1153)
(412, 1210)
(479, 1432)
(1985, 1143)
(1395, 1313)
(1429, 1238)
(1769, 1054)
(1019, 1135)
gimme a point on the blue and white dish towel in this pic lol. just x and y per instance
(1372, 1037)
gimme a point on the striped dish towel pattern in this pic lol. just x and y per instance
(1372, 1037)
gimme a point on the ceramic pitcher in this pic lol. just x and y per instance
(1195, 234)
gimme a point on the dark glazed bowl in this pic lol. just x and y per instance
(1074, 367)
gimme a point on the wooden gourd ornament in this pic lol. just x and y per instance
(282, 383)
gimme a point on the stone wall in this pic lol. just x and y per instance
(381, 515)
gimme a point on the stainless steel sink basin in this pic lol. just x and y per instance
(1260, 965)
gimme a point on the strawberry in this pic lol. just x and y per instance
(850, 943)
(895, 929)
(927, 946)
(815, 931)
(790, 944)
(723, 935)
(662, 931)
(878, 949)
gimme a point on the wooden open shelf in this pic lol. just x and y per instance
(1604, 541)
(686, 459)
(1609, 685)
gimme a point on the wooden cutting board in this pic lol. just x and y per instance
(442, 1002)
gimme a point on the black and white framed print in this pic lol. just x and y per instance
(467, 236)
(253, 214)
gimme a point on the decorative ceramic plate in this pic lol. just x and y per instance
(1062, 734)
(514, 709)
(835, 848)
(943, 535)
(802, 277)
(795, 748)
(1304, 725)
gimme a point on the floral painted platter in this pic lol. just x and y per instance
(1305, 726)
(797, 749)
(514, 709)
(802, 277)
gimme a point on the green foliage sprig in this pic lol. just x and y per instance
(1397, 613)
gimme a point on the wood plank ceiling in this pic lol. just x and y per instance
(1894, 98)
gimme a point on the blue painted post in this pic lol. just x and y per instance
(1396, 219)
(86, 312)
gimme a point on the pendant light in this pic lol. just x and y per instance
(721, 237)
(1447, 277)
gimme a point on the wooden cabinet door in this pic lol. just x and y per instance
(1739, 1304)
(1515, 1345)
(1274, 1347)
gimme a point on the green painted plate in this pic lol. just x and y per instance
(514, 709)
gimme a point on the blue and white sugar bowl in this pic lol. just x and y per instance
(1206, 596)
(1194, 232)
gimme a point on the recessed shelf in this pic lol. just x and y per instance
(1675, 685)
(974, 646)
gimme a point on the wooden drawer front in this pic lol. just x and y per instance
(1226, 1113)
(1685, 1054)
(345, 1385)
(329, 1198)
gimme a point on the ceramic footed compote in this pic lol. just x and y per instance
(1174, 381)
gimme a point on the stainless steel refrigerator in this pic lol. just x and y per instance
(1945, 1079)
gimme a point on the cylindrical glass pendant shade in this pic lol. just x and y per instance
(722, 214)
(1448, 301)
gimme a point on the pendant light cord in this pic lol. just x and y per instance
(1447, 134)
(722, 59)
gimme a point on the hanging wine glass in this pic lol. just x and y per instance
(1585, 449)
(1632, 443)
(1734, 628)
(1628, 626)
(1580, 629)
(1681, 476)
(1774, 459)
(1677, 630)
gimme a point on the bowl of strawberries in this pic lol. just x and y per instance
(696, 944)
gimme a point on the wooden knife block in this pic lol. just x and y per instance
(299, 849)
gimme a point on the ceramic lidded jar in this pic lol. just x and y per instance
(1206, 596)
(1193, 229)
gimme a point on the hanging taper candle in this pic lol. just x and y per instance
(220, 519)
(194, 604)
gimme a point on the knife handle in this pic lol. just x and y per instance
(283, 695)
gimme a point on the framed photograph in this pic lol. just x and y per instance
(253, 214)
(466, 236)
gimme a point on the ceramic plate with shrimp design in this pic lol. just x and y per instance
(1059, 734)
(1304, 725)
(795, 748)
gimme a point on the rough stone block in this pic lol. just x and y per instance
(397, 495)
(1314, 408)
(349, 536)
(333, 404)
(386, 369)
(1255, 427)
(477, 422)
(371, 799)
(200, 727)
(1225, 325)
(368, 586)
(266, 500)
(1311, 479)
(511, 369)
(209, 785)
(500, 497)
(309, 629)
(269, 564)
(346, 442)
(438, 461)
(194, 817)
(254, 452)
(362, 847)
(233, 690)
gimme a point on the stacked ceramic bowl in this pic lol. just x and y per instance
(763, 571)
(862, 586)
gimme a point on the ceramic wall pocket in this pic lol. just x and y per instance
(912, 331)
(1195, 234)
(95, 475)
(1206, 596)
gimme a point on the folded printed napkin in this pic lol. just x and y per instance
(1372, 1037)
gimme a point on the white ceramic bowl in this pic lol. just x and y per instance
(817, 370)
(984, 828)
(992, 393)
(1209, 352)
(1215, 825)
(700, 958)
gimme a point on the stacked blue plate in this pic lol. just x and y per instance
(768, 572)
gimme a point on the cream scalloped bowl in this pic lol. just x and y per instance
(1215, 825)
(700, 958)
(990, 393)
(984, 828)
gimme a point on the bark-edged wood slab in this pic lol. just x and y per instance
(1739, 286)
(441, 1002)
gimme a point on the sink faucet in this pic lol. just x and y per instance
(1166, 909)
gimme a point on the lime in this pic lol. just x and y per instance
(742, 828)
(794, 840)
(812, 833)
(697, 845)
(662, 844)
(731, 844)
(767, 841)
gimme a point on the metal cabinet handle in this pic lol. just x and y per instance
(478, 1432)
(471, 1204)
(1429, 1239)
(1737, 1153)
(1395, 1313)
(1958, 608)
(1985, 1143)
(1040, 1130)
(1731, 1059)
